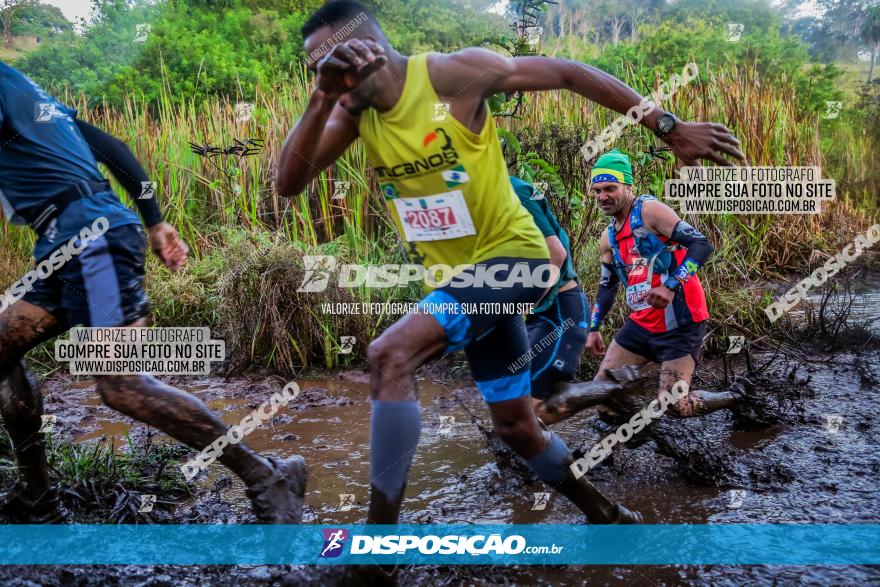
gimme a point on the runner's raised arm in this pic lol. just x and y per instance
(489, 73)
(326, 128)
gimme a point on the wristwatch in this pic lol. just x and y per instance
(665, 125)
(672, 283)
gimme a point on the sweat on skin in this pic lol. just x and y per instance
(237, 433)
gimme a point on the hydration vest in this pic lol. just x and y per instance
(658, 254)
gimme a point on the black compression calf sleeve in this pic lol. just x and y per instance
(125, 168)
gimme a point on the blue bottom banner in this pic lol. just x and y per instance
(728, 544)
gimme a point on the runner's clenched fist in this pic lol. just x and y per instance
(347, 65)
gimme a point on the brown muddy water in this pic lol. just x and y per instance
(802, 470)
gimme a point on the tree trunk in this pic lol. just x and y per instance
(616, 28)
(634, 24)
(6, 17)
(873, 59)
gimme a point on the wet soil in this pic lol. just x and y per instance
(808, 467)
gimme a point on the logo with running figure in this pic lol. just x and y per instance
(334, 540)
(46, 112)
(441, 111)
(318, 269)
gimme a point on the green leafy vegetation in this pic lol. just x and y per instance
(101, 483)
(194, 49)
(180, 85)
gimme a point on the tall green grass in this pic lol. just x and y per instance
(247, 242)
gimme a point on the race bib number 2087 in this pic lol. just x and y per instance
(433, 218)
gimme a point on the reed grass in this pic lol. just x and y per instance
(226, 209)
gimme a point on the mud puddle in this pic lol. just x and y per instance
(820, 465)
(835, 471)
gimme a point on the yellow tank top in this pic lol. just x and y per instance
(446, 187)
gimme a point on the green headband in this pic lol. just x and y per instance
(612, 166)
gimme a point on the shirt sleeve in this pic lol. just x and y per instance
(71, 112)
(524, 192)
(541, 220)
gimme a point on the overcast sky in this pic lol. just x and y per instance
(72, 9)
(76, 9)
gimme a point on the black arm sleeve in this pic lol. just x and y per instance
(605, 294)
(125, 168)
(698, 251)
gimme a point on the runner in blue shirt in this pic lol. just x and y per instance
(90, 253)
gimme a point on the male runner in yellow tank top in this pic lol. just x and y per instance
(446, 185)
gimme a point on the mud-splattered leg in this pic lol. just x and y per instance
(507, 393)
(22, 327)
(550, 459)
(712, 401)
(275, 486)
(181, 416)
(615, 357)
(671, 372)
(22, 408)
(697, 402)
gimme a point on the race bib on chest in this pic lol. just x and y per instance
(637, 296)
(435, 218)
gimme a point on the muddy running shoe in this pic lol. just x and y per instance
(626, 516)
(46, 509)
(278, 499)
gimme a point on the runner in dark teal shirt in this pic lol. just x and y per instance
(560, 319)
(537, 205)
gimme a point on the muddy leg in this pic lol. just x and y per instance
(23, 326)
(395, 424)
(275, 486)
(697, 402)
(712, 401)
(615, 357)
(550, 459)
(181, 416)
(671, 372)
(22, 409)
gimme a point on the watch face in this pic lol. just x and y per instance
(665, 123)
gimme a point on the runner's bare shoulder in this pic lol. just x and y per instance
(659, 217)
(468, 71)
